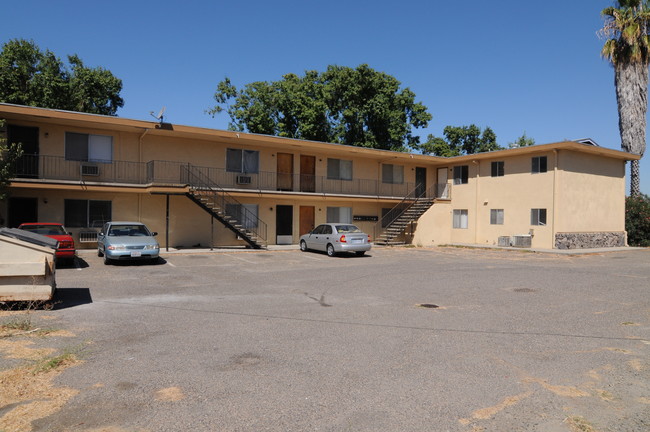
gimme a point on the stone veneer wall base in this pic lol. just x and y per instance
(590, 240)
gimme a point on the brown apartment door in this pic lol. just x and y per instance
(285, 172)
(307, 173)
(307, 219)
(420, 181)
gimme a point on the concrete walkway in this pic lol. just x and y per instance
(272, 248)
(551, 251)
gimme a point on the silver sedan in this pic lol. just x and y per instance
(336, 237)
(127, 241)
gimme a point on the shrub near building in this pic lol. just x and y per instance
(637, 220)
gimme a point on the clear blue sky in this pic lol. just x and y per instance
(514, 66)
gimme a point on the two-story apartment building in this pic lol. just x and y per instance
(199, 186)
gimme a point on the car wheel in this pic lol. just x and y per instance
(303, 245)
(107, 260)
(99, 253)
(330, 250)
(360, 253)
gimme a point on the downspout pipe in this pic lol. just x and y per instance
(476, 201)
(556, 153)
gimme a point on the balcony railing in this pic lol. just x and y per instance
(168, 173)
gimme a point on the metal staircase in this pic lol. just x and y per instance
(216, 201)
(388, 231)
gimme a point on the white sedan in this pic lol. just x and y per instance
(336, 237)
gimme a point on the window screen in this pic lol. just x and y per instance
(461, 174)
(496, 216)
(460, 219)
(538, 216)
(339, 214)
(85, 213)
(242, 161)
(76, 146)
(497, 169)
(392, 174)
(539, 164)
(100, 148)
(339, 169)
(85, 147)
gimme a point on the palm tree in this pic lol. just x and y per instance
(627, 48)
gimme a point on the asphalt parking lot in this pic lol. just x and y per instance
(413, 339)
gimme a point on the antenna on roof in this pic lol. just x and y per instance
(160, 115)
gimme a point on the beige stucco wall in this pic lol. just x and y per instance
(590, 193)
(189, 225)
(517, 192)
(585, 192)
(143, 147)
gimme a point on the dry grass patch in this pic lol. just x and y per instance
(30, 391)
(579, 424)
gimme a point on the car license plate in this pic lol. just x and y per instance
(136, 253)
(357, 241)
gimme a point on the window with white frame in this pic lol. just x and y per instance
(88, 147)
(392, 174)
(242, 161)
(339, 214)
(461, 174)
(339, 169)
(538, 216)
(496, 217)
(246, 214)
(86, 213)
(460, 219)
(539, 164)
(498, 169)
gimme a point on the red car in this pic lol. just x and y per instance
(66, 250)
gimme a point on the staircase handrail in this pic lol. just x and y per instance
(393, 214)
(197, 179)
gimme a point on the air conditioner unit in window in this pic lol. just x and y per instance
(89, 169)
(523, 241)
(244, 179)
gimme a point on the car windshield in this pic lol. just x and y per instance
(45, 229)
(347, 229)
(128, 230)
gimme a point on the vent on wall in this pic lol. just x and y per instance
(244, 179)
(89, 169)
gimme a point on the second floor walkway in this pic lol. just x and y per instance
(41, 168)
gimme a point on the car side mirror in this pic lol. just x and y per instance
(101, 233)
(155, 233)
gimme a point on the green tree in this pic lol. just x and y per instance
(522, 141)
(360, 107)
(461, 140)
(627, 49)
(8, 157)
(29, 76)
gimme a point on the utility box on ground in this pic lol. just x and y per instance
(27, 271)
